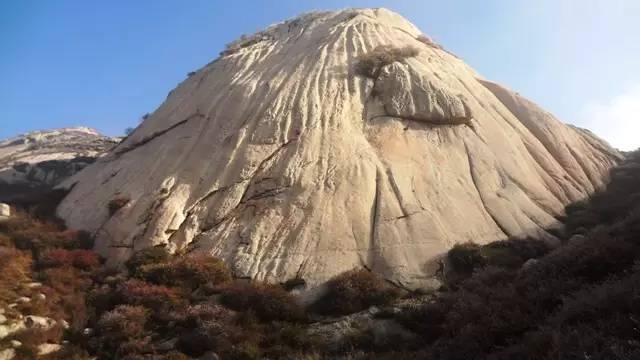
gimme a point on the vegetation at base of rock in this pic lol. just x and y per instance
(50, 270)
(148, 256)
(268, 302)
(355, 291)
(466, 258)
(575, 301)
(370, 64)
(189, 272)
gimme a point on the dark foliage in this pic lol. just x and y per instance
(268, 302)
(354, 291)
(578, 301)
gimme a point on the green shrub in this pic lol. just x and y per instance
(152, 255)
(514, 252)
(465, 258)
(370, 64)
(354, 291)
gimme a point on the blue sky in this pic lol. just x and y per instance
(106, 63)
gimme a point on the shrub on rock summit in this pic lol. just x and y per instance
(370, 64)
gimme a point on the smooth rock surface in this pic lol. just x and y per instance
(45, 349)
(5, 211)
(7, 354)
(10, 328)
(278, 158)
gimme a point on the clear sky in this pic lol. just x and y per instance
(104, 64)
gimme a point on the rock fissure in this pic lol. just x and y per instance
(155, 135)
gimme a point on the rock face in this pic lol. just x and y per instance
(39, 160)
(5, 211)
(281, 159)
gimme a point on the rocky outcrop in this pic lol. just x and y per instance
(37, 161)
(281, 159)
(5, 211)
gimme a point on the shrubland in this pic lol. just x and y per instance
(509, 299)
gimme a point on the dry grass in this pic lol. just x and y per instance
(15, 267)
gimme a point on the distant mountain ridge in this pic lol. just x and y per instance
(39, 160)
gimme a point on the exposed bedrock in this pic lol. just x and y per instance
(278, 158)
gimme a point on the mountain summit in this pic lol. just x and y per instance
(332, 141)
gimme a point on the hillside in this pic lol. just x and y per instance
(515, 299)
(333, 141)
(33, 163)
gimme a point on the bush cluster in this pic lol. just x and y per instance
(355, 291)
(579, 301)
(38, 248)
(189, 272)
(268, 302)
(370, 64)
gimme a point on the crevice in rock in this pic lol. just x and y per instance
(121, 246)
(396, 192)
(155, 135)
(454, 121)
(265, 194)
(475, 185)
(374, 212)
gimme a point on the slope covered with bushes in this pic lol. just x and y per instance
(579, 301)
(510, 299)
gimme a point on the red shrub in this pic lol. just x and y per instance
(197, 315)
(65, 280)
(136, 292)
(122, 331)
(189, 272)
(81, 259)
(15, 268)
